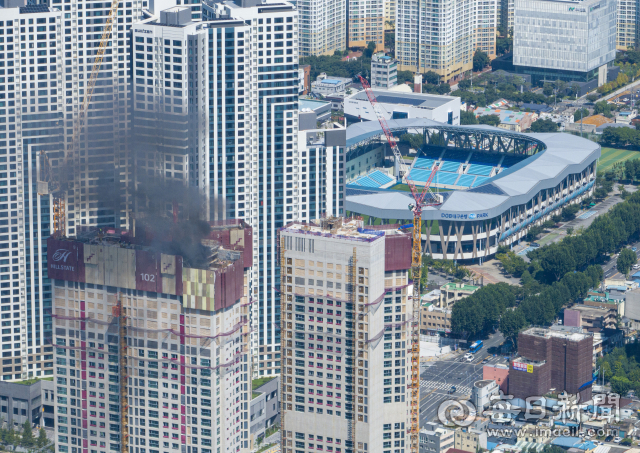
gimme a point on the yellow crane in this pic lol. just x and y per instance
(49, 183)
(422, 198)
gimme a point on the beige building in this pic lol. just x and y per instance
(390, 14)
(366, 23)
(470, 439)
(627, 24)
(434, 319)
(345, 335)
(322, 26)
(451, 31)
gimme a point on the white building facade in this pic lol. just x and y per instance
(31, 116)
(322, 26)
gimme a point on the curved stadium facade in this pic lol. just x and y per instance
(495, 184)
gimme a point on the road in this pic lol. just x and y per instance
(610, 269)
(437, 379)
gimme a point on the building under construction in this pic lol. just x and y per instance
(346, 314)
(151, 349)
(550, 359)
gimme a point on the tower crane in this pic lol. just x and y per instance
(49, 183)
(422, 198)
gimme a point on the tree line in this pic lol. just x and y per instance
(621, 368)
(557, 274)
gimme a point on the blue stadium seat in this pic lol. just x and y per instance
(449, 166)
(465, 180)
(421, 162)
(476, 169)
(445, 178)
(419, 175)
(367, 182)
(380, 177)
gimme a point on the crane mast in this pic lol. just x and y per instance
(422, 198)
(49, 183)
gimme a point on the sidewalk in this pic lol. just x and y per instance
(620, 90)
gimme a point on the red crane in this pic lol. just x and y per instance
(422, 198)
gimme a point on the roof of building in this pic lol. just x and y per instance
(602, 127)
(422, 100)
(536, 107)
(561, 155)
(403, 88)
(565, 441)
(506, 116)
(596, 120)
(31, 9)
(547, 333)
(459, 286)
(311, 104)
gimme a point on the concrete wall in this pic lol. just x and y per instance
(35, 402)
(265, 409)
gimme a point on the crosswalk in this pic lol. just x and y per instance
(430, 385)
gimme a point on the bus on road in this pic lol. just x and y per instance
(475, 347)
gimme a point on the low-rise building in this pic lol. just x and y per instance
(265, 409)
(470, 439)
(482, 393)
(434, 320)
(452, 292)
(326, 86)
(399, 105)
(509, 120)
(435, 438)
(589, 124)
(498, 373)
(32, 400)
(384, 72)
(590, 318)
(605, 300)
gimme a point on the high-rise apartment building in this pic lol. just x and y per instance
(390, 14)
(442, 36)
(548, 359)
(31, 118)
(346, 333)
(627, 24)
(151, 347)
(99, 174)
(216, 106)
(365, 23)
(322, 26)
(506, 14)
(571, 41)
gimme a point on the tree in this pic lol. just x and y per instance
(558, 260)
(371, 47)
(569, 212)
(469, 118)
(544, 125)
(480, 60)
(42, 440)
(464, 84)
(626, 259)
(547, 89)
(603, 108)
(491, 120)
(432, 78)
(27, 440)
(404, 76)
(415, 140)
(592, 97)
(511, 323)
(575, 89)
(580, 114)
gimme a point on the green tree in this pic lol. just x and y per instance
(469, 118)
(592, 97)
(480, 60)
(42, 440)
(544, 125)
(371, 47)
(464, 84)
(569, 212)
(547, 89)
(559, 261)
(431, 77)
(415, 140)
(626, 259)
(27, 440)
(491, 120)
(511, 323)
(405, 76)
(581, 113)
(603, 108)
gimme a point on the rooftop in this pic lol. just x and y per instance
(459, 286)
(506, 116)
(596, 120)
(335, 227)
(422, 100)
(483, 383)
(311, 104)
(548, 333)
(31, 9)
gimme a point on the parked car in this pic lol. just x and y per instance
(617, 440)
(608, 439)
(634, 249)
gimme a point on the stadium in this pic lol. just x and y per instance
(494, 184)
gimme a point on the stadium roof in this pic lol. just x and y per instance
(422, 100)
(563, 154)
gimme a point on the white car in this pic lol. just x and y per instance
(468, 356)
(636, 266)
(617, 440)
